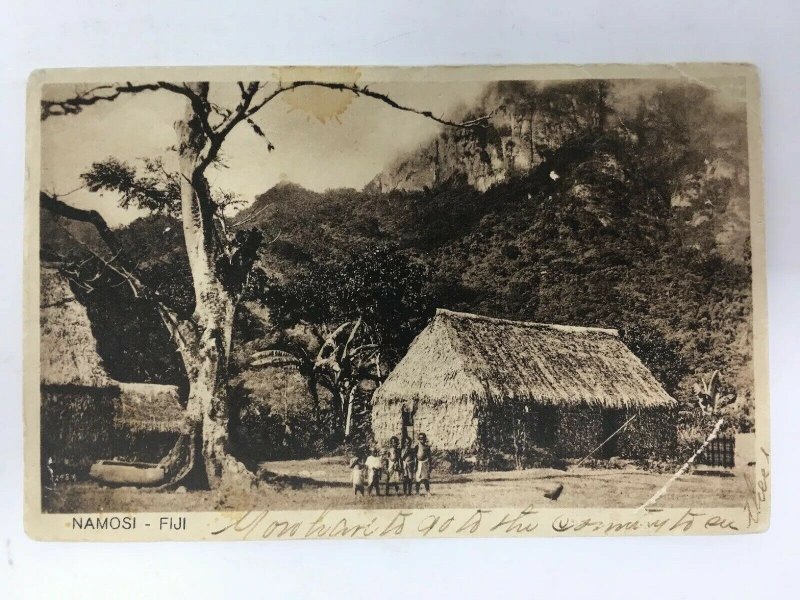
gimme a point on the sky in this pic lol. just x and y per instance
(323, 138)
(312, 148)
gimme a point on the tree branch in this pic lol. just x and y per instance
(56, 206)
(200, 104)
(110, 92)
(101, 93)
(183, 331)
(365, 91)
(239, 114)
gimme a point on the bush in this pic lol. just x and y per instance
(259, 433)
(542, 458)
(489, 459)
(658, 466)
(454, 462)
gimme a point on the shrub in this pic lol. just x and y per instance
(489, 459)
(542, 458)
(454, 462)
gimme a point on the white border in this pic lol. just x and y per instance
(71, 33)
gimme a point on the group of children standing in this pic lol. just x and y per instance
(404, 464)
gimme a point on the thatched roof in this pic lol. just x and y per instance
(68, 357)
(461, 355)
(68, 349)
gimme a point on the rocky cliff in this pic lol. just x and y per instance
(524, 123)
(478, 158)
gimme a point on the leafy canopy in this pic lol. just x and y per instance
(151, 187)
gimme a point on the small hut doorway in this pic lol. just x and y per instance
(407, 430)
(613, 418)
(543, 422)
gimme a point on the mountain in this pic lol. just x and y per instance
(682, 135)
(582, 203)
(623, 205)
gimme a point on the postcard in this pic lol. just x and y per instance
(371, 303)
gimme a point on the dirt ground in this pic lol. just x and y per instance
(325, 484)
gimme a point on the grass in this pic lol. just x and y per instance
(325, 484)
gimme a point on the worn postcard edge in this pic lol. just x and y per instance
(411, 523)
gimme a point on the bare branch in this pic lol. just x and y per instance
(252, 217)
(223, 112)
(365, 91)
(101, 93)
(72, 191)
(110, 92)
(260, 133)
(200, 103)
(56, 206)
(184, 331)
(240, 113)
(134, 283)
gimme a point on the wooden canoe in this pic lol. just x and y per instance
(115, 472)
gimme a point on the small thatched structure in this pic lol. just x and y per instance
(472, 382)
(68, 350)
(85, 414)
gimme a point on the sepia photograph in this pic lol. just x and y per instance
(362, 289)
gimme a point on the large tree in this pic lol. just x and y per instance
(348, 321)
(220, 260)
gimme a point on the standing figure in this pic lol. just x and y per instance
(374, 465)
(394, 467)
(424, 463)
(408, 456)
(357, 473)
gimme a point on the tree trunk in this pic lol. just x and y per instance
(208, 408)
(207, 359)
(311, 378)
(531, 144)
(337, 413)
(349, 416)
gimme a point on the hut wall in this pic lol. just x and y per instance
(80, 425)
(449, 425)
(386, 420)
(510, 427)
(578, 430)
(568, 432)
(574, 432)
(652, 435)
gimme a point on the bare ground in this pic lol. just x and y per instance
(324, 484)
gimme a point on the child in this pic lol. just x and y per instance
(374, 465)
(424, 464)
(394, 468)
(358, 476)
(408, 457)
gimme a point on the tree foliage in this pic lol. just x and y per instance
(381, 285)
(151, 187)
(643, 228)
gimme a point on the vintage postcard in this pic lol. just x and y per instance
(340, 302)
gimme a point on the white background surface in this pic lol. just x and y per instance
(70, 33)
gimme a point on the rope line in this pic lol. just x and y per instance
(685, 466)
(624, 425)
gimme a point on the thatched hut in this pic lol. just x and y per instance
(85, 414)
(472, 382)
